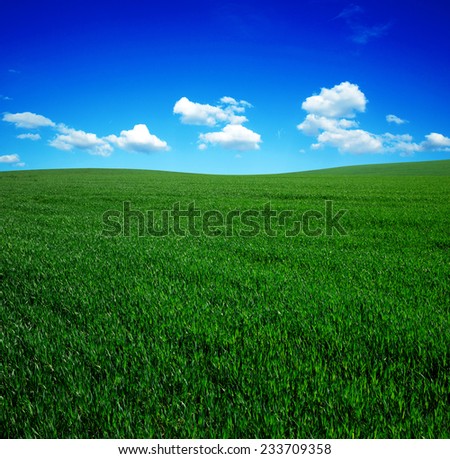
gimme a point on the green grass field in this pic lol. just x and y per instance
(342, 336)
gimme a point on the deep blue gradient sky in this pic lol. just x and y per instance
(102, 68)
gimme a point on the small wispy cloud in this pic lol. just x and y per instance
(361, 31)
(9, 159)
(28, 120)
(14, 160)
(13, 71)
(362, 34)
(2, 97)
(349, 11)
(395, 119)
(29, 136)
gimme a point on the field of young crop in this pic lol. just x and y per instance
(226, 336)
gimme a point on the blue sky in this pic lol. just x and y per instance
(223, 87)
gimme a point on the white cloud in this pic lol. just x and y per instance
(138, 140)
(341, 101)
(29, 136)
(198, 114)
(436, 142)
(354, 141)
(229, 100)
(237, 119)
(232, 136)
(28, 120)
(402, 144)
(395, 119)
(314, 123)
(2, 97)
(327, 121)
(69, 138)
(211, 115)
(239, 106)
(334, 132)
(405, 145)
(229, 114)
(9, 159)
(21, 164)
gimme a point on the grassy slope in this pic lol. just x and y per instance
(435, 168)
(225, 337)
